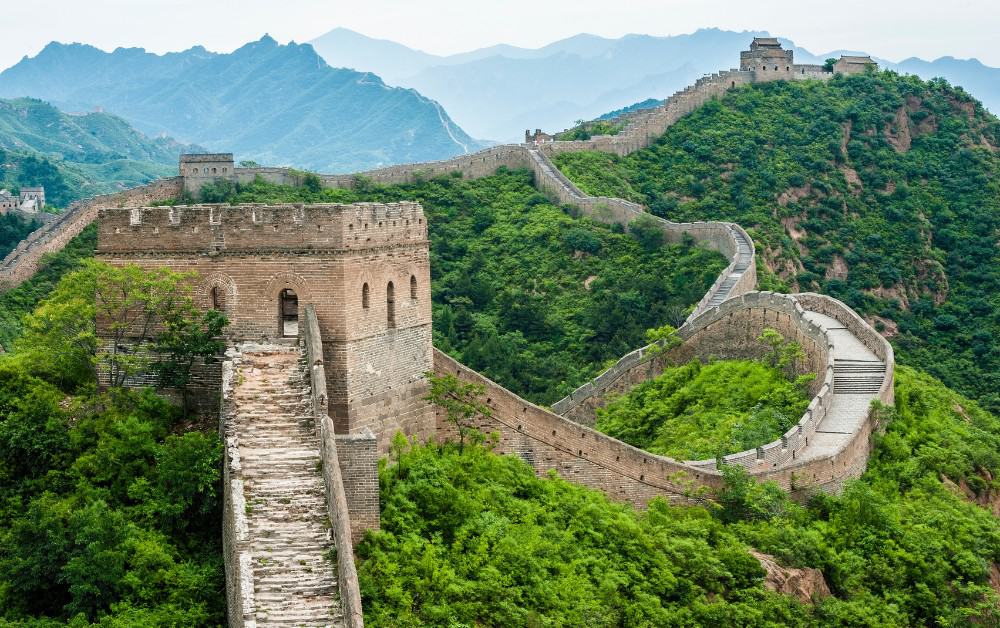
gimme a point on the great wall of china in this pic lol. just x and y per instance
(326, 464)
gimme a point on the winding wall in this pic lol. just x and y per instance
(789, 460)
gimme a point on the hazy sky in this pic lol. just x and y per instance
(892, 29)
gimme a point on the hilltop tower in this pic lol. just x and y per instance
(199, 169)
(767, 60)
(364, 267)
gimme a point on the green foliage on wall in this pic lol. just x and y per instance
(696, 411)
(880, 190)
(15, 303)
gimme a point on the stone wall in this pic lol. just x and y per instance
(351, 497)
(23, 261)
(235, 528)
(578, 453)
(728, 332)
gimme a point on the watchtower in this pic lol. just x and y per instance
(853, 64)
(767, 60)
(199, 169)
(33, 199)
(364, 267)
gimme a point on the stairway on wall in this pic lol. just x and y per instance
(294, 578)
(743, 254)
(857, 376)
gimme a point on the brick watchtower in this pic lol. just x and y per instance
(767, 60)
(365, 268)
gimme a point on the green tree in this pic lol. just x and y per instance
(132, 306)
(187, 337)
(461, 403)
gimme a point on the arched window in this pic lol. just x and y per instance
(390, 306)
(218, 299)
(413, 287)
(365, 301)
(213, 170)
(288, 313)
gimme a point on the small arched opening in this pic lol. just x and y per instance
(413, 287)
(365, 297)
(288, 313)
(218, 299)
(390, 306)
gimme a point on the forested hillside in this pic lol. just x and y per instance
(476, 539)
(880, 190)
(75, 156)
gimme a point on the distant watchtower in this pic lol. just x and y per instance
(364, 267)
(199, 169)
(767, 60)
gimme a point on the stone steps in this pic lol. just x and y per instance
(293, 576)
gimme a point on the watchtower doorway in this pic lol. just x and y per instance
(288, 313)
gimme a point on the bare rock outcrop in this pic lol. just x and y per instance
(805, 584)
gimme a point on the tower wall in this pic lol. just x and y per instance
(245, 256)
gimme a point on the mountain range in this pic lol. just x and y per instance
(276, 104)
(499, 91)
(78, 155)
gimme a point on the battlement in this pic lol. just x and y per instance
(199, 158)
(251, 228)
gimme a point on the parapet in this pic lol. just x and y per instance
(198, 158)
(255, 228)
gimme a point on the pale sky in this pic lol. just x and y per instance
(891, 29)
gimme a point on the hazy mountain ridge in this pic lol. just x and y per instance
(276, 104)
(498, 91)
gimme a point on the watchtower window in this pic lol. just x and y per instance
(390, 306)
(413, 287)
(218, 299)
(288, 313)
(365, 297)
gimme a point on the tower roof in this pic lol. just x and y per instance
(765, 42)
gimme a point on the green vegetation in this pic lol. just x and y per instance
(476, 539)
(523, 292)
(15, 303)
(586, 130)
(109, 513)
(13, 229)
(697, 411)
(880, 190)
(76, 156)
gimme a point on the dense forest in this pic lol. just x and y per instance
(524, 292)
(878, 189)
(110, 504)
(473, 538)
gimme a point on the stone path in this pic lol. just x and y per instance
(294, 577)
(857, 376)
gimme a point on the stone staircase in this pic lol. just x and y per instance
(294, 576)
(857, 377)
(743, 254)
